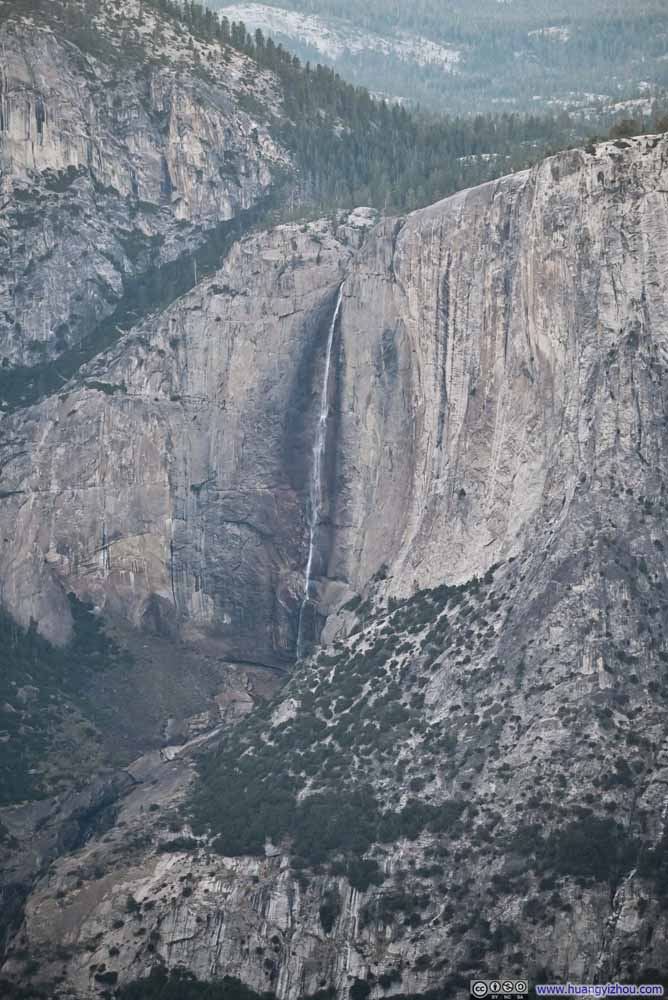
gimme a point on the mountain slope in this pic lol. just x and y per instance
(471, 775)
(129, 167)
(473, 56)
(118, 155)
(137, 142)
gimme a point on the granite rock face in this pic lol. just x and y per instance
(117, 155)
(497, 397)
(496, 348)
(476, 340)
(186, 453)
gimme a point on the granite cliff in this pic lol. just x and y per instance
(466, 771)
(463, 412)
(124, 148)
(495, 473)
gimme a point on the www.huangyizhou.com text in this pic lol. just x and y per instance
(599, 990)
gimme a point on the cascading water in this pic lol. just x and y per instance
(316, 497)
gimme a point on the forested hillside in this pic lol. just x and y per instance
(352, 149)
(510, 55)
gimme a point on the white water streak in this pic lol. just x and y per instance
(319, 444)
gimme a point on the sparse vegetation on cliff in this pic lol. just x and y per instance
(179, 984)
(353, 709)
(44, 710)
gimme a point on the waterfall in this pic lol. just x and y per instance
(319, 444)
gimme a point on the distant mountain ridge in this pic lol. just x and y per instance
(480, 55)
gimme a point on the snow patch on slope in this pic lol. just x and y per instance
(333, 39)
(556, 33)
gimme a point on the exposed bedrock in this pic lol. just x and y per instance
(498, 396)
(112, 168)
(491, 351)
(168, 482)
